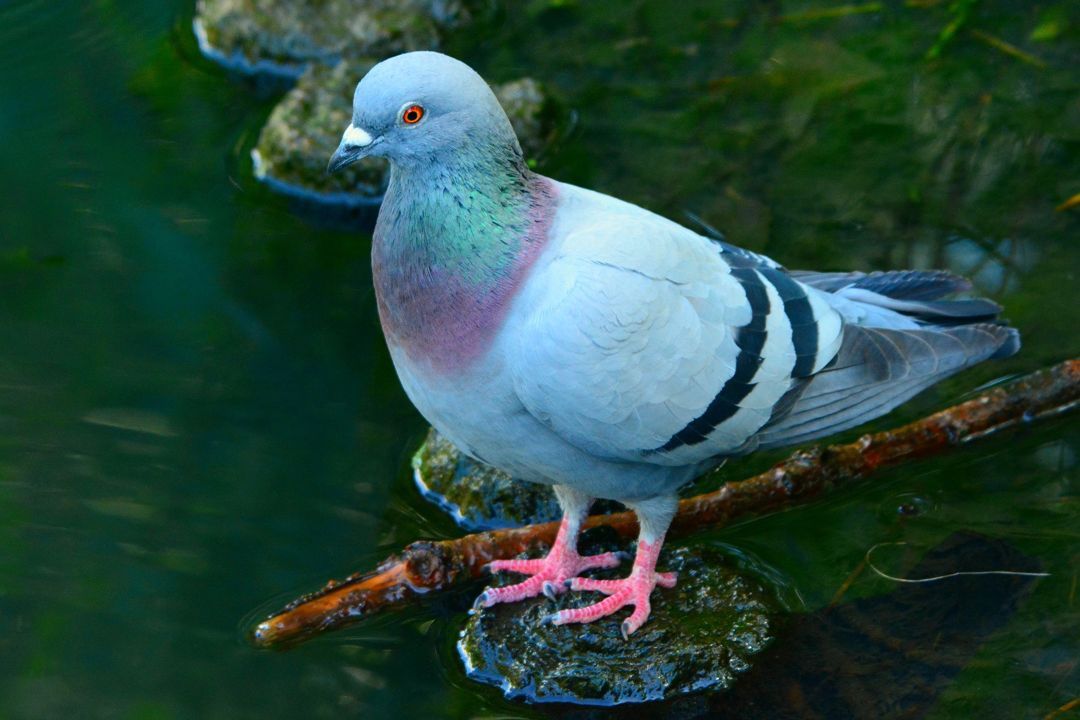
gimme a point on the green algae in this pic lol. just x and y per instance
(533, 112)
(701, 636)
(305, 128)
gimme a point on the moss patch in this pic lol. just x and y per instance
(304, 130)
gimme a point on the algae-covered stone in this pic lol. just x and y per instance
(531, 113)
(700, 636)
(280, 37)
(476, 495)
(305, 128)
(302, 133)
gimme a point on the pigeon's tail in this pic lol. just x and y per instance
(901, 284)
(905, 299)
(900, 338)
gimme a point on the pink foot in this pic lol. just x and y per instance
(550, 575)
(634, 590)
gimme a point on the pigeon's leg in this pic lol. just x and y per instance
(655, 517)
(550, 575)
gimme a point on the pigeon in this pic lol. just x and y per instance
(573, 339)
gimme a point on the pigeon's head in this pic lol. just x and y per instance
(423, 107)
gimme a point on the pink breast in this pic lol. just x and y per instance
(444, 321)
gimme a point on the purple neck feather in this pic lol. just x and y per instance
(449, 256)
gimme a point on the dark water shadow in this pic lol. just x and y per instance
(889, 656)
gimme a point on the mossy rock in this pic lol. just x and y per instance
(305, 128)
(700, 636)
(302, 133)
(478, 496)
(535, 115)
(280, 37)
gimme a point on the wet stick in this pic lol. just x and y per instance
(428, 566)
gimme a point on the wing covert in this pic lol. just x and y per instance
(641, 342)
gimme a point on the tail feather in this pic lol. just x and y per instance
(901, 300)
(936, 312)
(898, 284)
(877, 369)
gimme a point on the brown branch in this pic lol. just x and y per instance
(427, 566)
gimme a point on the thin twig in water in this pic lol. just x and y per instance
(1071, 705)
(935, 578)
(960, 10)
(1009, 49)
(848, 581)
(829, 13)
(1069, 204)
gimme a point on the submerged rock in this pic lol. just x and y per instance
(532, 112)
(280, 37)
(700, 636)
(478, 496)
(892, 655)
(302, 133)
(305, 128)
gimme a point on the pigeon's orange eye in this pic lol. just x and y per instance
(412, 114)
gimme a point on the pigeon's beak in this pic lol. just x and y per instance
(354, 144)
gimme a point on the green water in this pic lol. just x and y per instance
(198, 418)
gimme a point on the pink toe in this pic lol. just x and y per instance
(513, 593)
(516, 565)
(604, 586)
(589, 613)
(633, 590)
(603, 560)
(636, 619)
(667, 579)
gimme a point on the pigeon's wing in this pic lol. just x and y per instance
(876, 370)
(641, 340)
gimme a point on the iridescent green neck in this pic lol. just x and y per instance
(453, 241)
(463, 214)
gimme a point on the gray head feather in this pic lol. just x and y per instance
(460, 112)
